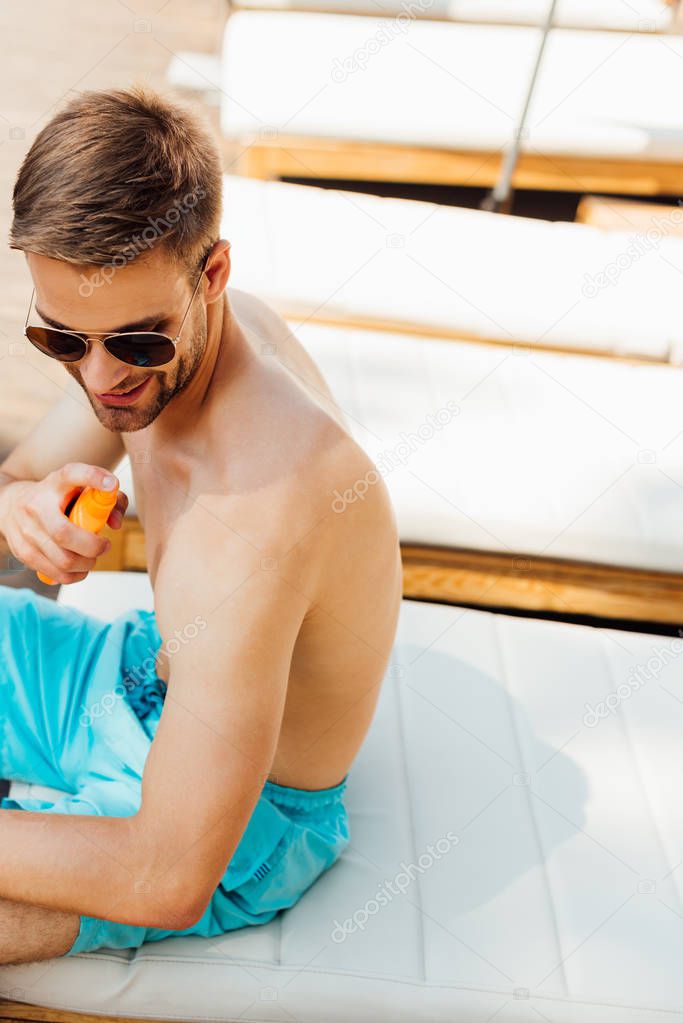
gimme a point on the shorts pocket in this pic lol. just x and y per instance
(299, 859)
(261, 840)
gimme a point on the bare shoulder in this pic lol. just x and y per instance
(350, 532)
(303, 511)
(282, 486)
(334, 494)
(250, 308)
(274, 339)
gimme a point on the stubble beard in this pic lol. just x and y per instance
(129, 420)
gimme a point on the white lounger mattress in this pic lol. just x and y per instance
(512, 450)
(345, 256)
(450, 86)
(541, 454)
(555, 897)
(622, 15)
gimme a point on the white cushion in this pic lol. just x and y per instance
(124, 475)
(450, 86)
(555, 896)
(346, 256)
(626, 15)
(513, 450)
(107, 594)
(538, 453)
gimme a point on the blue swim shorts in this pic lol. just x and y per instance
(79, 705)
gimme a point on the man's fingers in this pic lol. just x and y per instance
(80, 474)
(118, 511)
(74, 539)
(64, 563)
(37, 558)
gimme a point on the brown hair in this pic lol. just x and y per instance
(114, 173)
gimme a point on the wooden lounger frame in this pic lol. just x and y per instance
(294, 156)
(611, 214)
(553, 585)
(21, 1012)
(511, 581)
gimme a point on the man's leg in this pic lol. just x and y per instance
(64, 723)
(46, 656)
(29, 934)
(42, 654)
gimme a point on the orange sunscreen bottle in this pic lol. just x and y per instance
(90, 511)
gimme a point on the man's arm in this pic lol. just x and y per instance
(69, 432)
(222, 714)
(214, 744)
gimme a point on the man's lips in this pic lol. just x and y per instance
(128, 398)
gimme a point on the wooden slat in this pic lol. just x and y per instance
(512, 581)
(13, 1012)
(113, 560)
(135, 556)
(541, 584)
(127, 552)
(630, 215)
(292, 156)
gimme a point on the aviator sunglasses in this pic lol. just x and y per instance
(144, 348)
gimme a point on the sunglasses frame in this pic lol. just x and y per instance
(103, 336)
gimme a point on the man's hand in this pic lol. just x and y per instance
(39, 534)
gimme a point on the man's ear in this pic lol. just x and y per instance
(218, 270)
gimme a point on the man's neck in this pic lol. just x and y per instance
(225, 340)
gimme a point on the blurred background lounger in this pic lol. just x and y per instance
(438, 102)
(437, 270)
(615, 15)
(544, 887)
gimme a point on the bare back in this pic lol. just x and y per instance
(271, 437)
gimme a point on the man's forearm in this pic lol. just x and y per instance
(93, 866)
(5, 479)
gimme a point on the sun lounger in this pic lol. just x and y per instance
(438, 102)
(615, 15)
(391, 263)
(516, 835)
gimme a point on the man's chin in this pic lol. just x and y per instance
(123, 420)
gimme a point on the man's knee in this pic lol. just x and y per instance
(29, 934)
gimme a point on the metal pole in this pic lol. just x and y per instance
(499, 200)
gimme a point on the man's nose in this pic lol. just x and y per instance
(100, 371)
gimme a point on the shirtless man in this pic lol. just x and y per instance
(237, 450)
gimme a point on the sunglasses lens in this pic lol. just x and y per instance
(144, 349)
(57, 344)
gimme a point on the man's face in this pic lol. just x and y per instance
(151, 290)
